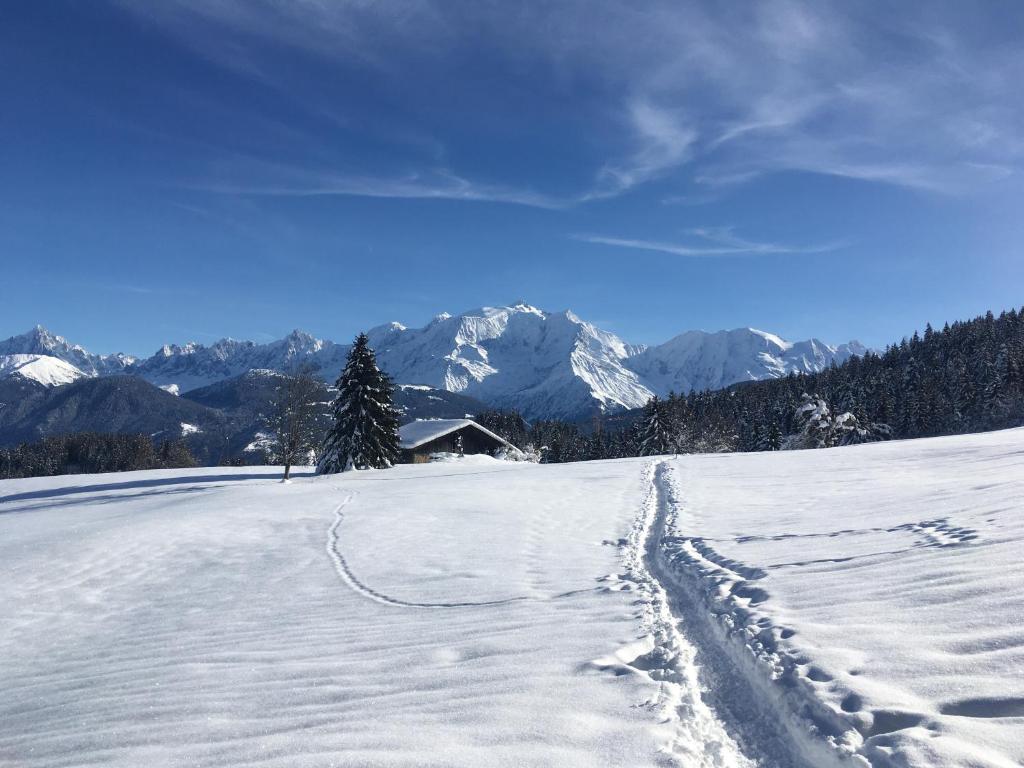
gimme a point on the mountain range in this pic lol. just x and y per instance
(545, 364)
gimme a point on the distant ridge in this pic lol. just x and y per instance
(545, 364)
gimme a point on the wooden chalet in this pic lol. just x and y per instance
(419, 439)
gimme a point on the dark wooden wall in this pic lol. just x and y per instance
(473, 441)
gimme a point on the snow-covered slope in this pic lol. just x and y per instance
(44, 369)
(40, 341)
(546, 364)
(698, 360)
(844, 608)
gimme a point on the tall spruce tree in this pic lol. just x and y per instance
(655, 435)
(365, 431)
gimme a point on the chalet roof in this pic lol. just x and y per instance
(416, 433)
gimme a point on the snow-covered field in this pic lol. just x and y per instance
(883, 581)
(856, 606)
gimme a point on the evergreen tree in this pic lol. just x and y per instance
(365, 431)
(995, 399)
(596, 447)
(655, 437)
(815, 424)
(771, 439)
(508, 424)
(89, 452)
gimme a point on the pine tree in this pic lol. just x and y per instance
(771, 438)
(596, 447)
(365, 431)
(655, 436)
(996, 403)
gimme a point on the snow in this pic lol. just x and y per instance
(546, 364)
(478, 459)
(771, 338)
(262, 442)
(885, 580)
(216, 617)
(698, 360)
(852, 607)
(421, 431)
(193, 365)
(40, 341)
(189, 429)
(45, 369)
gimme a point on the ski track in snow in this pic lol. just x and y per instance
(726, 713)
(702, 739)
(722, 718)
(361, 588)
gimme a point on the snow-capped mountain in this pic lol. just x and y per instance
(549, 364)
(545, 364)
(40, 341)
(41, 356)
(698, 360)
(44, 369)
(183, 368)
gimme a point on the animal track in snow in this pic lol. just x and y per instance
(938, 533)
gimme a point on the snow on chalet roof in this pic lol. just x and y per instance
(416, 433)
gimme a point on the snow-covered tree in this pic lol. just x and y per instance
(820, 428)
(847, 429)
(365, 431)
(813, 420)
(655, 431)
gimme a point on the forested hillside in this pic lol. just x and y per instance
(965, 378)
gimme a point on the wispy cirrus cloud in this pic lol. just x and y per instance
(664, 142)
(136, 289)
(711, 242)
(712, 94)
(435, 184)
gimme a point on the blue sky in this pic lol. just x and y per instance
(190, 170)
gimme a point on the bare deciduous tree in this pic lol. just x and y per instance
(294, 418)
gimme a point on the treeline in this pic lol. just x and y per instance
(554, 442)
(965, 378)
(90, 452)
